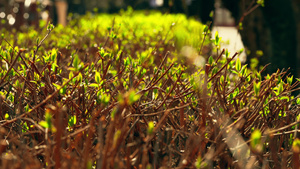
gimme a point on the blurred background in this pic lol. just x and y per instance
(267, 29)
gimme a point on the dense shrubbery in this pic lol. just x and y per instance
(130, 90)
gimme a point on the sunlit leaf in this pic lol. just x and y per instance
(150, 127)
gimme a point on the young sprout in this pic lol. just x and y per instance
(256, 87)
(238, 64)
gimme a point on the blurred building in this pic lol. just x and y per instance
(222, 16)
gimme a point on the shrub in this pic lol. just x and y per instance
(110, 91)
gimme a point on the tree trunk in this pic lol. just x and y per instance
(281, 22)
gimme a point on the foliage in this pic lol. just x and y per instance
(119, 91)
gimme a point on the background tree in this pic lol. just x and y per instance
(271, 28)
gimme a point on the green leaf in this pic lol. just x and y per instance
(248, 79)
(71, 75)
(44, 124)
(50, 26)
(54, 66)
(253, 63)
(210, 60)
(72, 121)
(261, 2)
(6, 116)
(215, 70)
(76, 62)
(113, 113)
(290, 80)
(26, 108)
(238, 65)
(37, 41)
(198, 162)
(280, 87)
(79, 77)
(63, 90)
(258, 75)
(296, 145)
(105, 98)
(94, 85)
(284, 98)
(133, 97)
(126, 61)
(256, 140)
(47, 123)
(244, 70)
(211, 14)
(298, 101)
(25, 128)
(56, 86)
(259, 53)
(143, 71)
(240, 26)
(48, 118)
(226, 53)
(222, 79)
(191, 118)
(205, 29)
(217, 39)
(53, 54)
(256, 87)
(150, 127)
